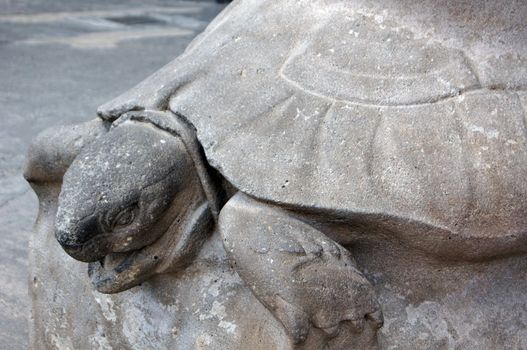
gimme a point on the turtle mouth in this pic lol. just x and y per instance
(94, 249)
(114, 261)
(114, 271)
(117, 272)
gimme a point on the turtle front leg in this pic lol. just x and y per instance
(308, 282)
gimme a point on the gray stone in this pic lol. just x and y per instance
(361, 163)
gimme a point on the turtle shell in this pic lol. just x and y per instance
(353, 111)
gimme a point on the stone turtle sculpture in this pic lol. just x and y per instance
(342, 127)
(140, 201)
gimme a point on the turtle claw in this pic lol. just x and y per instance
(295, 321)
(375, 318)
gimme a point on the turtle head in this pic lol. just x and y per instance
(130, 205)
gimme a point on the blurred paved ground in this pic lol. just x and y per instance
(59, 60)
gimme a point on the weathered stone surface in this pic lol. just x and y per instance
(206, 306)
(366, 160)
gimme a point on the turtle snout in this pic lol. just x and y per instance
(73, 237)
(78, 243)
(65, 241)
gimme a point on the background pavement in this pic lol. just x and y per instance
(59, 60)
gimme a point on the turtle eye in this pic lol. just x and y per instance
(125, 217)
